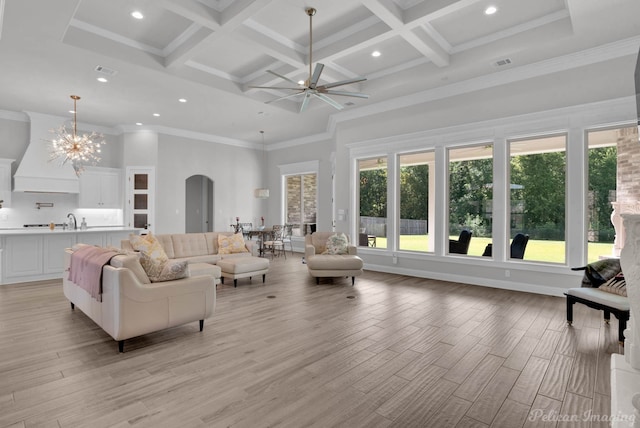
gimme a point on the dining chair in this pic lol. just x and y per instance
(286, 236)
(246, 229)
(274, 243)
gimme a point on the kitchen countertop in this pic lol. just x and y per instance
(47, 231)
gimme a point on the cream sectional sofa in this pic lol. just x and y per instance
(193, 247)
(201, 250)
(132, 306)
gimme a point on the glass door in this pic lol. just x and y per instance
(140, 197)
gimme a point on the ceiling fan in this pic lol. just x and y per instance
(310, 88)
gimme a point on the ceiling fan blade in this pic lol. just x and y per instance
(284, 98)
(329, 101)
(342, 82)
(305, 101)
(275, 87)
(316, 76)
(282, 77)
(346, 94)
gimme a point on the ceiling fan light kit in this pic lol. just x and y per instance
(311, 88)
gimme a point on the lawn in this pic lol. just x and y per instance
(537, 250)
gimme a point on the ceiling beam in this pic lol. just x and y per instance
(214, 23)
(194, 11)
(393, 16)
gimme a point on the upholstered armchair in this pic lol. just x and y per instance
(461, 245)
(326, 259)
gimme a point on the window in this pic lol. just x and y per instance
(471, 196)
(416, 171)
(301, 208)
(372, 174)
(537, 195)
(603, 154)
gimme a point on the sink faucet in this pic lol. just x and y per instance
(75, 222)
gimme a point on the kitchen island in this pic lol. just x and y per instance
(34, 254)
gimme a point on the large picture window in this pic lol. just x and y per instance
(537, 195)
(470, 199)
(416, 179)
(301, 209)
(603, 155)
(372, 175)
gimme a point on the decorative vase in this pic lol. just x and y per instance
(630, 263)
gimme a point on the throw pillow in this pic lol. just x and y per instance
(337, 244)
(153, 256)
(171, 270)
(616, 285)
(232, 244)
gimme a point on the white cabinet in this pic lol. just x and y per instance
(54, 245)
(5, 182)
(35, 256)
(23, 255)
(100, 188)
(91, 238)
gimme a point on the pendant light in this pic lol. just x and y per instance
(263, 192)
(78, 150)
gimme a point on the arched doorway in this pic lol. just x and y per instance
(199, 204)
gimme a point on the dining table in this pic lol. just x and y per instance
(261, 233)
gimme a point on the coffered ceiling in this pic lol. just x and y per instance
(210, 52)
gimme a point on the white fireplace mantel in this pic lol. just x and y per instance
(625, 371)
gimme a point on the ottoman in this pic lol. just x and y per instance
(196, 269)
(243, 267)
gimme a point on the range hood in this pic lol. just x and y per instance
(36, 173)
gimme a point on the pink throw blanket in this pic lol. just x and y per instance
(85, 269)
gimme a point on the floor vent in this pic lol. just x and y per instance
(351, 297)
(271, 297)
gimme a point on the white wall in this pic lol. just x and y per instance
(235, 173)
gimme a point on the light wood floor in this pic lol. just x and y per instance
(403, 352)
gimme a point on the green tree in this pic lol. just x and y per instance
(470, 190)
(542, 176)
(414, 192)
(373, 193)
(602, 180)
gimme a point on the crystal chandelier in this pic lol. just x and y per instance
(263, 192)
(78, 150)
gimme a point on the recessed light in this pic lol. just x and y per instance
(490, 10)
(182, 100)
(137, 14)
(72, 111)
(300, 82)
(156, 114)
(139, 123)
(102, 80)
(375, 54)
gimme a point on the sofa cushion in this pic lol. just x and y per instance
(231, 244)
(336, 244)
(596, 295)
(167, 245)
(172, 270)
(211, 239)
(239, 265)
(131, 262)
(211, 259)
(334, 262)
(189, 245)
(153, 255)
